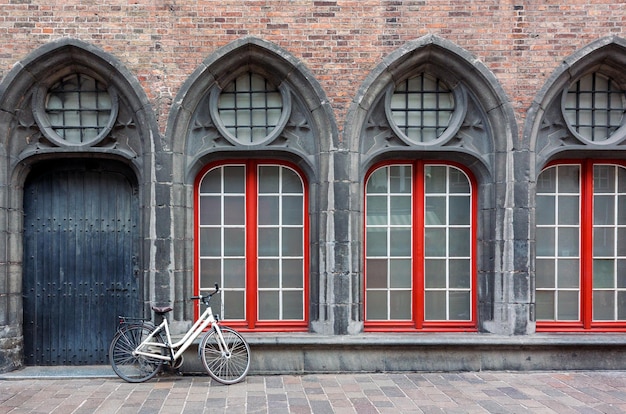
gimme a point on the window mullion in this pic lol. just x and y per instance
(419, 211)
(586, 248)
(251, 235)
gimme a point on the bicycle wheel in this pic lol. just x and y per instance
(129, 367)
(227, 363)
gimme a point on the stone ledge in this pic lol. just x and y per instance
(435, 339)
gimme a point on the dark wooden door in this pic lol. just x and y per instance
(80, 260)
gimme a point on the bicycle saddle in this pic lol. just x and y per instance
(162, 310)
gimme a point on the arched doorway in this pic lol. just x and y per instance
(81, 248)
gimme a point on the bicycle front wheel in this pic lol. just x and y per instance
(129, 367)
(226, 362)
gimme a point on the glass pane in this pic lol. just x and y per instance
(435, 306)
(269, 178)
(400, 212)
(376, 305)
(268, 273)
(400, 302)
(376, 274)
(235, 273)
(234, 305)
(545, 241)
(545, 305)
(234, 242)
(292, 242)
(621, 179)
(210, 242)
(460, 306)
(436, 179)
(234, 211)
(603, 305)
(568, 242)
(212, 182)
(293, 273)
(400, 270)
(376, 242)
(603, 179)
(603, 210)
(568, 306)
(210, 272)
(436, 213)
(569, 208)
(270, 242)
(376, 210)
(568, 179)
(377, 182)
(569, 273)
(459, 184)
(292, 210)
(460, 242)
(603, 242)
(603, 273)
(293, 305)
(435, 273)
(435, 242)
(291, 182)
(400, 241)
(268, 210)
(400, 179)
(460, 211)
(210, 210)
(269, 305)
(234, 179)
(460, 276)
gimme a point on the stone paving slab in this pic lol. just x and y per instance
(468, 392)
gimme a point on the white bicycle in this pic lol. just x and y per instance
(139, 349)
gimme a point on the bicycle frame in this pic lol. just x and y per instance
(181, 346)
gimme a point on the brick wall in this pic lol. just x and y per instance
(163, 41)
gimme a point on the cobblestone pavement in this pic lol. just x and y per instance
(475, 392)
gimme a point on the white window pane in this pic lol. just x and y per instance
(235, 273)
(460, 274)
(269, 179)
(435, 242)
(603, 242)
(234, 210)
(400, 305)
(269, 247)
(376, 242)
(603, 274)
(234, 241)
(460, 305)
(234, 305)
(400, 241)
(269, 305)
(376, 273)
(292, 274)
(292, 210)
(567, 309)
(210, 242)
(400, 270)
(376, 305)
(234, 179)
(269, 273)
(435, 305)
(460, 242)
(211, 272)
(435, 273)
(268, 210)
(546, 205)
(292, 242)
(436, 211)
(545, 238)
(460, 210)
(568, 273)
(568, 242)
(603, 305)
(293, 305)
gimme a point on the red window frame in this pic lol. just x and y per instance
(251, 321)
(586, 323)
(418, 251)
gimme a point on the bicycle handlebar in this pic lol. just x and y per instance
(206, 298)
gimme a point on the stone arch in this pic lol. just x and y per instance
(24, 143)
(482, 141)
(305, 139)
(546, 132)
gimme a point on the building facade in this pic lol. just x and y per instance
(375, 185)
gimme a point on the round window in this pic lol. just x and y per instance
(594, 107)
(250, 109)
(421, 108)
(79, 110)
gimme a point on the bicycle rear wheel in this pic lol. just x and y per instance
(129, 367)
(229, 362)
